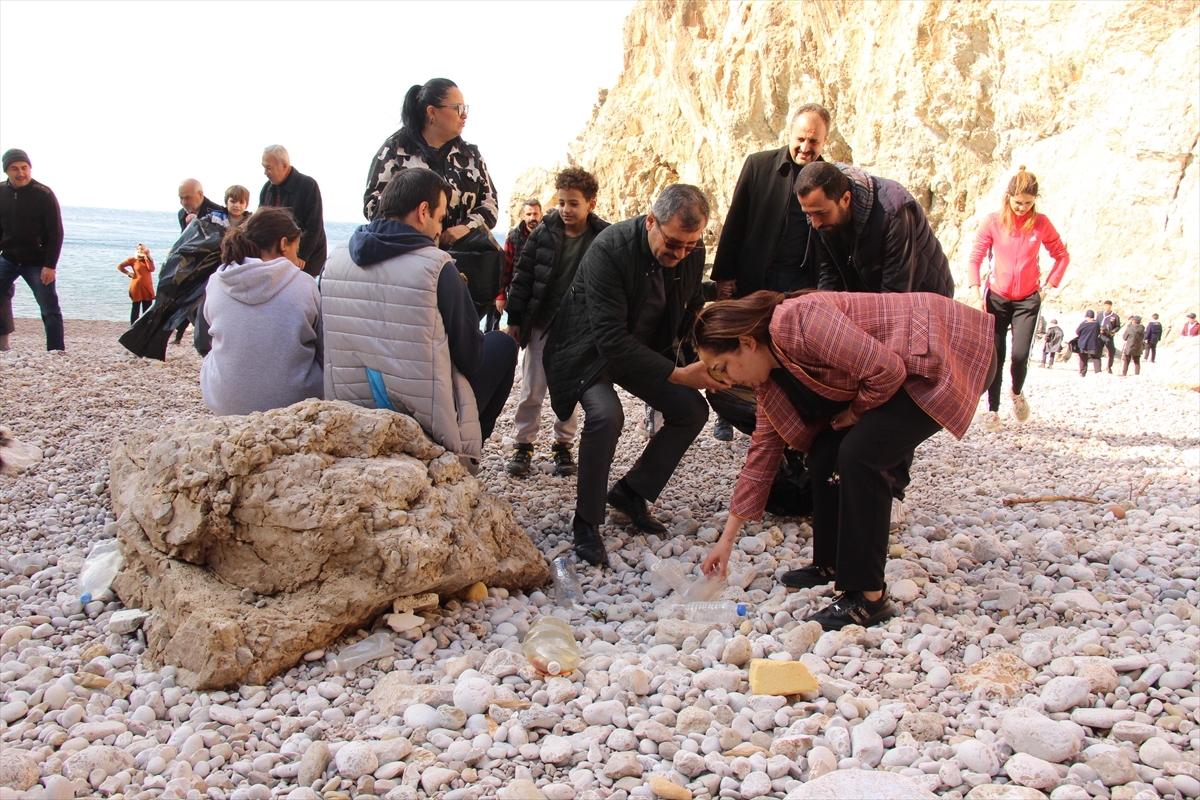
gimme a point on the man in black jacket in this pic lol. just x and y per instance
(287, 187)
(631, 305)
(1110, 323)
(514, 243)
(193, 203)
(31, 237)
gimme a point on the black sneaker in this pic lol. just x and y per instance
(723, 430)
(522, 458)
(564, 465)
(807, 577)
(853, 608)
(633, 505)
(588, 544)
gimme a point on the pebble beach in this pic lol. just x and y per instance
(1042, 648)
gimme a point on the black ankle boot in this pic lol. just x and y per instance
(588, 543)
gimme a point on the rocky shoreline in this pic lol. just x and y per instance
(1043, 648)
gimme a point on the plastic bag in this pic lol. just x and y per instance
(181, 286)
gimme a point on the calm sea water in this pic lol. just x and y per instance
(95, 241)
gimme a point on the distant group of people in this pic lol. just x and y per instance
(829, 331)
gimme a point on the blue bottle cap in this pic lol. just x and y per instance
(85, 598)
(741, 609)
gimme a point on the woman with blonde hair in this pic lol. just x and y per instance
(857, 381)
(1013, 237)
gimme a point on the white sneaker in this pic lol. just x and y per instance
(1020, 407)
(990, 420)
(898, 517)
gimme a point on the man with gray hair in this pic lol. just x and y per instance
(631, 306)
(287, 187)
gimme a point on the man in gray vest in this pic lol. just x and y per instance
(401, 330)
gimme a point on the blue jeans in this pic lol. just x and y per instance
(46, 296)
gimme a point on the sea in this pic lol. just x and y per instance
(96, 240)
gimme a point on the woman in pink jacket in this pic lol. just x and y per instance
(1013, 237)
(856, 381)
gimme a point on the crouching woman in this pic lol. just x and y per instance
(264, 314)
(856, 381)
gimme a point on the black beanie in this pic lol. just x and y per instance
(14, 155)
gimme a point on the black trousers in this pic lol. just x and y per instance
(851, 473)
(1084, 358)
(1151, 351)
(492, 382)
(684, 414)
(1137, 364)
(1021, 316)
(139, 307)
(1108, 345)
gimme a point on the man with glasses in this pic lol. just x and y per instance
(632, 304)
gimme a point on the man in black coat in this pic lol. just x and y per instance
(1154, 332)
(872, 235)
(31, 238)
(1110, 323)
(632, 304)
(193, 203)
(287, 187)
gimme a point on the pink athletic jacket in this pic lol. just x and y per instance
(1015, 274)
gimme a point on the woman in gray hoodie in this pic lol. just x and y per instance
(264, 314)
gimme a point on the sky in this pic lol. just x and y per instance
(116, 102)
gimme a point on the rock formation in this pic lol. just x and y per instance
(1098, 99)
(256, 539)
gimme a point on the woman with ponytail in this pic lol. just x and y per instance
(1013, 236)
(856, 381)
(264, 315)
(433, 117)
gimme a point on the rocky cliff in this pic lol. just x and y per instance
(1098, 99)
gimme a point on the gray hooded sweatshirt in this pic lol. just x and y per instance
(265, 321)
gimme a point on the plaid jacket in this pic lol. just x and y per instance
(863, 348)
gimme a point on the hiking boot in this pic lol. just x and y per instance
(723, 430)
(898, 517)
(564, 465)
(807, 577)
(853, 608)
(990, 421)
(588, 544)
(632, 505)
(522, 458)
(1020, 407)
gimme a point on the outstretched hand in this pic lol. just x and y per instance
(717, 561)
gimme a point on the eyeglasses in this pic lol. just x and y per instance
(461, 108)
(673, 244)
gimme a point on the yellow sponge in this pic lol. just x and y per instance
(780, 677)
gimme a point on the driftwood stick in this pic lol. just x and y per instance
(1052, 498)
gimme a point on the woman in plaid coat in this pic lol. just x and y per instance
(856, 381)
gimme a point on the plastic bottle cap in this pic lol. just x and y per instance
(741, 609)
(85, 598)
(553, 668)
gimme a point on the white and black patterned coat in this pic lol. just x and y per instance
(473, 202)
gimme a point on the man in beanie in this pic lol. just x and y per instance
(31, 237)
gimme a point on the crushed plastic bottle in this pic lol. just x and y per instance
(567, 591)
(101, 566)
(666, 574)
(550, 646)
(377, 645)
(702, 589)
(722, 613)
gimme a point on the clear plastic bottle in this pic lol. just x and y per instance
(377, 645)
(722, 613)
(666, 574)
(567, 591)
(101, 566)
(702, 589)
(550, 646)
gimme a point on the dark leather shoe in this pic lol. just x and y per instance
(807, 577)
(588, 544)
(853, 608)
(629, 503)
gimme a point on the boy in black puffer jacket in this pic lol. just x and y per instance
(541, 276)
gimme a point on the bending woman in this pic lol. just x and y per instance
(856, 381)
(264, 314)
(1013, 236)
(433, 118)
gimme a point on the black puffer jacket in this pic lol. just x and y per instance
(536, 268)
(592, 328)
(892, 248)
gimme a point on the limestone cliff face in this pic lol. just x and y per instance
(1098, 99)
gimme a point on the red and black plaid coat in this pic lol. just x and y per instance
(863, 348)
